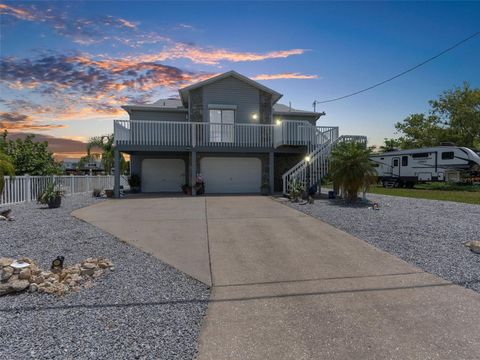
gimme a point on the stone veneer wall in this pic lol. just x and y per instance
(265, 108)
(196, 105)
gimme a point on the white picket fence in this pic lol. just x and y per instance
(26, 188)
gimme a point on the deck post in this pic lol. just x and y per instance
(193, 156)
(116, 182)
(271, 171)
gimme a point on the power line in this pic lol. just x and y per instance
(402, 73)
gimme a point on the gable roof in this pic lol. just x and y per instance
(184, 91)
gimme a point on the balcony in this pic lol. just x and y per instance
(175, 135)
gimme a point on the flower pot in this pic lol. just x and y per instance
(55, 202)
(109, 193)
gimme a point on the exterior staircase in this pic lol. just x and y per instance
(314, 167)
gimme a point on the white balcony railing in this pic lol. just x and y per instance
(195, 134)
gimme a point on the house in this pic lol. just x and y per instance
(228, 128)
(77, 166)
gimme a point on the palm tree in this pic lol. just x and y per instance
(351, 169)
(105, 143)
(6, 169)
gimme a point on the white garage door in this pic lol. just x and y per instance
(163, 175)
(231, 175)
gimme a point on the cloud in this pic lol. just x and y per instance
(289, 75)
(213, 56)
(17, 121)
(84, 31)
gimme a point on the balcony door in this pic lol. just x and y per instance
(222, 125)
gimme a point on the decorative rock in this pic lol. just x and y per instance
(24, 274)
(7, 272)
(88, 266)
(88, 272)
(5, 262)
(57, 281)
(474, 246)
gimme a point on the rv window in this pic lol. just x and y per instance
(420, 155)
(448, 155)
(404, 160)
(375, 165)
(395, 162)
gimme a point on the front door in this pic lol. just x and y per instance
(396, 166)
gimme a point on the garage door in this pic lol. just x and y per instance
(163, 175)
(231, 175)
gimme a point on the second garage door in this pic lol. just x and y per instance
(163, 175)
(231, 175)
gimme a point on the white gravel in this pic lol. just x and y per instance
(426, 233)
(145, 309)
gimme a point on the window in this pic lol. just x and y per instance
(221, 125)
(395, 162)
(448, 155)
(420, 155)
(404, 160)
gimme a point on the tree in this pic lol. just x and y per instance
(459, 110)
(454, 117)
(6, 169)
(390, 145)
(29, 156)
(106, 144)
(351, 169)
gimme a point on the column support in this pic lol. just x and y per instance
(271, 171)
(116, 162)
(193, 156)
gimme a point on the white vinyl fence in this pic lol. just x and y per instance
(26, 188)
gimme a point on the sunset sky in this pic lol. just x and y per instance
(66, 68)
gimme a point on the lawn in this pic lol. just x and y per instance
(468, 194)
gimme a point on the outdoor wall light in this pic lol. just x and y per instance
(307, 159)
(254, 116)
(279, 122)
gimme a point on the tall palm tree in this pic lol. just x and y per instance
(105, 143)
(6, 169)
(351, 169)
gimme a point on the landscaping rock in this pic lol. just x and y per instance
(7, 272)
(473, 246)
(58, 281)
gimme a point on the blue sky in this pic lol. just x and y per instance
(67, 67)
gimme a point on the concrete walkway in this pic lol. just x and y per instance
(288, 286)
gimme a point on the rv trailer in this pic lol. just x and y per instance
(441, 163)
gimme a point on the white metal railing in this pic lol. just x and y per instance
(206, 134)
(26, 188)
(313, 170)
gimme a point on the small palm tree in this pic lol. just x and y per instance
(351, 169)
(105, 143)
(6, 169)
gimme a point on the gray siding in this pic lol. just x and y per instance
(231, 91)
(158, 115)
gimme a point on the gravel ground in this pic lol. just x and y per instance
(145, 309)
(426, 233)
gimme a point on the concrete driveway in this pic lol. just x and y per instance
(288, 286)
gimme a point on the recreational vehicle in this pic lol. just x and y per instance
(440, 163)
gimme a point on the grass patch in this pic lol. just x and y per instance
(469, 194)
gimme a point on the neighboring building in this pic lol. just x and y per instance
(231, 130)
(72, 166)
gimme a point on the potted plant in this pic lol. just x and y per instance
(51, 196)
(265, 188)
(134, 181)
(187, 189)
(110, 193)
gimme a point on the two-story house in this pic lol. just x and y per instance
(231, 130)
